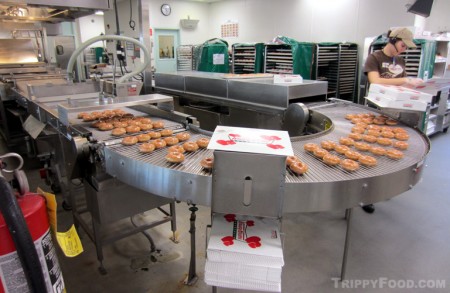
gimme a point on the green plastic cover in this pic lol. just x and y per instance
(213, 56)
(302, 55)
(259, 57)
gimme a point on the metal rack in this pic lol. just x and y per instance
(278, 59)
(246, 58)
(348, 68)
(338, 64)
(185, 58)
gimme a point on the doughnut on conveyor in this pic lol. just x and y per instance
(321, 188)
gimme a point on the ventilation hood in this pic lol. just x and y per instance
(50, 11)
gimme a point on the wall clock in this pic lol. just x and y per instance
(166, 9)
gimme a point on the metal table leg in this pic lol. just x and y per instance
(192, 276)
(348, 217)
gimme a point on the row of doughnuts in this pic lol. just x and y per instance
(106, 114)
(370, 118)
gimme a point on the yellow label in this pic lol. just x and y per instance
(68, 241)
(327, 124)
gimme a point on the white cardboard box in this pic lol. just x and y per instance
(384, 102)
(400, 93)
(245, 240)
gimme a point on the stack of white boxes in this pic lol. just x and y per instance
(397, 97)
(244, 253)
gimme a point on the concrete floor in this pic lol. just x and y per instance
(404, 243)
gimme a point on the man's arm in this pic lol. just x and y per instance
(374, 77)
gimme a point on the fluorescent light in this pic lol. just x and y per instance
(99, 12)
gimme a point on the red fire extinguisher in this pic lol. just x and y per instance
(28, 260)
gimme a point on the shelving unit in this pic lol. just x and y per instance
(442, 62)
(338, 64)
(278, 59)
(247, 58)
(185, 58)
(438, 117)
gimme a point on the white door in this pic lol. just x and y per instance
(166, 44)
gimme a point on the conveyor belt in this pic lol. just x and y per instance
(312, 191)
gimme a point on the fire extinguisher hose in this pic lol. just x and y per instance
(21, 236)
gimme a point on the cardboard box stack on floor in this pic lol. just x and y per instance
(244, 253)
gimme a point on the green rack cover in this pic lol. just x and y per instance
(302, 55)
(259, 55)
(213, 56)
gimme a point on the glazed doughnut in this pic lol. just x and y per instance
(362, 146)
(171, 140)
(129, 140)
(159, 143)
(328, 145)
(357, 129)
(374, 127)
(119, 111)
(128, 116)
(144, 120)
(331, 160)
(378, 121)
(202, 142)
(401, 145)
(166, 132)
(133, 129)
(374, 133)
(154, 134)
(394, 154)
(341, 149)
(134, 122)
(310, 147)
(207, 163)
(97, 114)
(190, 146)
(125, 119)
(349, 165)
(158, 124)
(291, 159)
(346, 141)
(145, 127)
(96, 123)
(183, 136)
(118, 131)
(369, 138)
(367, 161)
(350, 116)
(384, 141)
(354, 155)
(298, 167)
(146, 147)
(120, 124)
(387, 134)
(378, 151)
(105, 126)
(143, 137)
(355, 136)
(402, 136)
(361, 125)
(320, 152)
(176, 148)
(81, 115)
(391, 122)
(356, 120)
(399, 130)
(89, 118)
(367, 120)
(175, 157)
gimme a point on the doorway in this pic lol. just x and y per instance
(166, 44)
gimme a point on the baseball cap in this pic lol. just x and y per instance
(405, 35)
